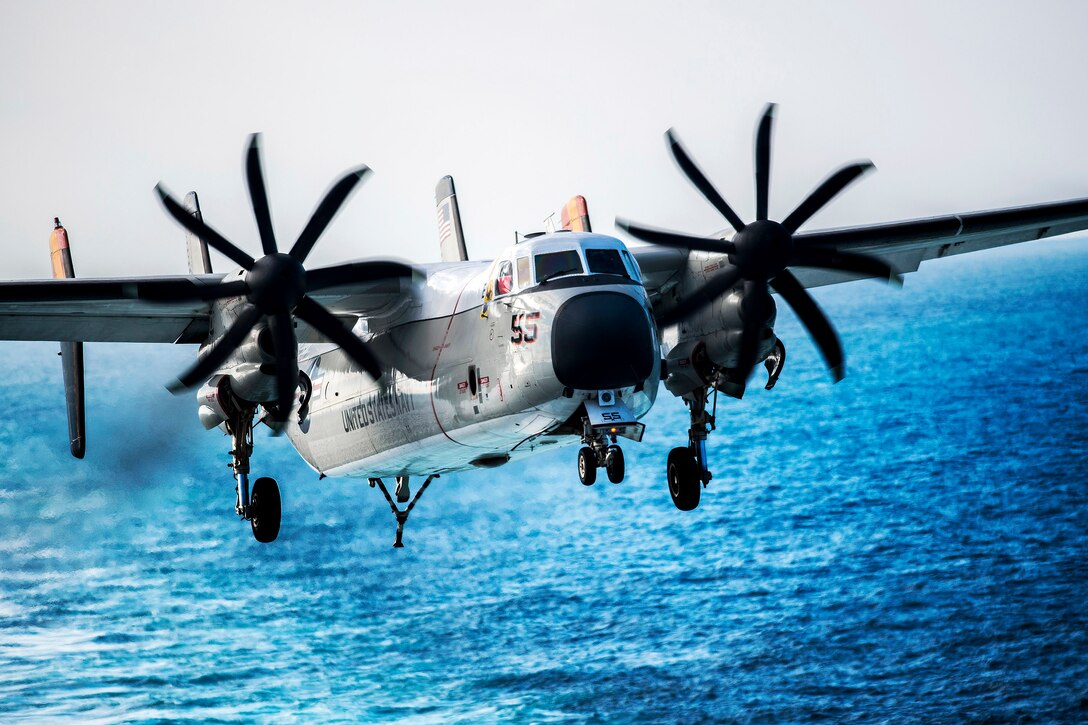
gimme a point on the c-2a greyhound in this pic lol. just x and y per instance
(378, 369)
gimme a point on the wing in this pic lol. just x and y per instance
(661, 268)
(146, 309)
(905, 245)
(121, 309)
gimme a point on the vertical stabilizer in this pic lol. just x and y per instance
(199, 261)
(71, 353)
(575, 215)
(451, 238)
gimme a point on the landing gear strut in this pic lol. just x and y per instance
(687, 468)
(262, 508)
(402, 496)
(599, 450)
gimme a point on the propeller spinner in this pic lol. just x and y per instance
(276, 285)
(761, 252)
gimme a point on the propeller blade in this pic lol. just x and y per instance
(675, 239)
(814, 320)
(763, 161)
(283, 338)
(696, 177)
(326, 211)
(824, 258)
(196, 293)
(210, 237)
(355, 272)
(754, 313)
(701, 297)
(210, 362)
(824, 193)
(324, 322)
(258, 195)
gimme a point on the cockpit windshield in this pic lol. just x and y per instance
(557, 264)
(606, 261)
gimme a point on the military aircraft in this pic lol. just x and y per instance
(379, 369)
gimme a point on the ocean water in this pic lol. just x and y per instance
(910, 544)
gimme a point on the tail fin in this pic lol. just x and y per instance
(71, 353)
(574, 216)
(451, 238)
(199, 261)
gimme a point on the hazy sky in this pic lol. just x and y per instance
(962, 106)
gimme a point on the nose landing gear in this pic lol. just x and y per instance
(600, 451)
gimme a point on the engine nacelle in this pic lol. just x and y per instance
(705, 348)
(215, 402)
(723, 344)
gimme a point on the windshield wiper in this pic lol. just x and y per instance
(556, 273)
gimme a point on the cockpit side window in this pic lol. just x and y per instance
(504, 280)
(557, 264)
(606, 261)
(632, 265)
(524, 273)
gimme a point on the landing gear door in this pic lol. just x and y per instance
(616, 419)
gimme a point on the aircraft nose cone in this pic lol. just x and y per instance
(602, 340)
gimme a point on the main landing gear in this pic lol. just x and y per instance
(261, 507)
(687, 472)
(402, 492)
(599, 451)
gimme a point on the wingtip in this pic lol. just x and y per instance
(838, 373)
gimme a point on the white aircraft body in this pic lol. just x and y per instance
(378, 369)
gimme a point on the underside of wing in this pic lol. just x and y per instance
(661, 268)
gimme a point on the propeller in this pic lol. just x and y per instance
(761, 252)
(276, 285)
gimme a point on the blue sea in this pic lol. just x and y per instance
(908, 545)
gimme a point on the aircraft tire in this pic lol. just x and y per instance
(613, 465)
(265, 510)
(587, 466)
(683, 477)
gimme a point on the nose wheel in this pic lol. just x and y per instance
(587, 466)
(613, 464)
(590, 458)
